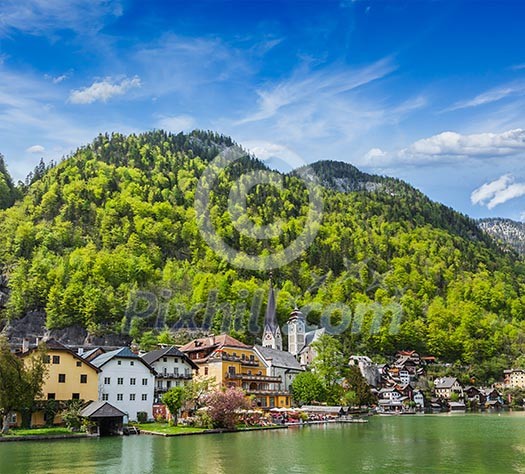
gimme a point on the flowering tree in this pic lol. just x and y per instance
(223, 406)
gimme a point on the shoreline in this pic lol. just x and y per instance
(6, 439)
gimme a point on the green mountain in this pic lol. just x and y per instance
(118, 216)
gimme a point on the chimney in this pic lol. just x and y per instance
(25, 344)
(80, 351)
(212, 339)
(37, 341)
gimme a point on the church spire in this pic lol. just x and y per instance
(272, 333)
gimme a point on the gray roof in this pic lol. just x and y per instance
(322, 409)
(279, 358)
(122, 353)
(153, 356)
(86, 354)
(270, 318)
(101, 410)
(312, 336)
(445, 382)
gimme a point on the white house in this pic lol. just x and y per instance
(419, 399)
(172, 366)
(446, 386)
(279, 364)
(127, 382)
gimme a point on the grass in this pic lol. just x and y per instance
(51, 431)
(165, 428)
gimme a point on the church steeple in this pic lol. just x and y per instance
(272, 333)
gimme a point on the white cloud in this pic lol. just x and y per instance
(275, 152)
(522, 217)
(498, 192)
(176, 123)
(103, 90)
(492, 95)
(46, 16)
(451, 146)
(36, 149)
(306, 87)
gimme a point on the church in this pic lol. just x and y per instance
(299, 340)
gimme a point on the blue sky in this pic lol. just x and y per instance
(430, 92)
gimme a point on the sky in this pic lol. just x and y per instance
(432, 92)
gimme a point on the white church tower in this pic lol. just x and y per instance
(272, 333)
(296, 332)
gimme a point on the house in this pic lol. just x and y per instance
(173, 368)
(457, 406)
(474, 394)
(69, 377)
(107, 419)
(446, 386)
(235, 364)
(419, 399)
(514, 378)
(389, 394)
(127, 382)
(279, 364)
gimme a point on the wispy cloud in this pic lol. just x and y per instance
(36, 149)
(310, 86)
(497, 192)
(492, 95)
(39, 17)
(451, 146)
(102, 91)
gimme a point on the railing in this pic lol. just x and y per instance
(255, 378)
(283, 393)
(233, 358)
(174, 376)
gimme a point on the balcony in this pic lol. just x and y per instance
(273, 393)
(254, 378)
(174, 376)
(232, 358)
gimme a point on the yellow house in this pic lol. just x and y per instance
(235, 364)
(69, 377)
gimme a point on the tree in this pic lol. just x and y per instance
(307, 388)
(174, 399)
(223, 406)
(328, 365)
(356, 384)
(195, 392)
(21, 380)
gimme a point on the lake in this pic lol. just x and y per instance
(399, 444)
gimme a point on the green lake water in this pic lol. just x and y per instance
(403, 444)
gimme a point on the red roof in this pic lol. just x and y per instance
(213, 342)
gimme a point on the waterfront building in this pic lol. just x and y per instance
(69, 377)
(514, 378)
(235, 364)
(127, 382)
(279, 364)
(173, 369)
(444, 387)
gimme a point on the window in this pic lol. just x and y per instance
(105, 397)
(79, 364)
(50, 396)
(120, 397)
(107, 380)
(83, 378)
(119, 362)
(165, 370)
(164, 359)
(47, 359)
(120, 381)
(252, 357)
(132, 381)
(144, 397)
(176, 370)
(231, 370)
(132, 397)
(144, 381)
(75, 396)
(61, 378)
(168, 384)
(205, 370)
(56, 359)
(131, 362)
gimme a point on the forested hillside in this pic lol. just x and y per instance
(117, 216)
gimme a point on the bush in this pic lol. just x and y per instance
(142, 417)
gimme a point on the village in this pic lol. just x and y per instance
(116, 387)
